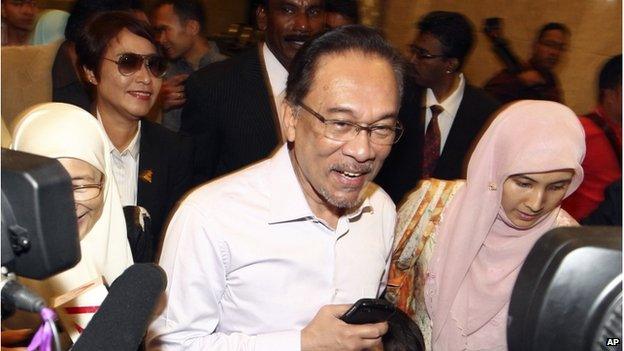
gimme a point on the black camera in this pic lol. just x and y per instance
(39, 232)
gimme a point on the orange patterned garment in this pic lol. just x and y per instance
(415, 241)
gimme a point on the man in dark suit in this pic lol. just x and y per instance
(443, 118)
(231, 105)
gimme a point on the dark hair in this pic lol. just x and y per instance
(101, 29)
(353, 37)
(347, 8)
(552, 26)
(186, 10)
(452, 29)
(84, 9)
(403, 334)
(610, 75)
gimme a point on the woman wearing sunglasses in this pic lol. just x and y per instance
(151, 165)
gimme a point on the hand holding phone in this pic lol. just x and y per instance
(366, 311)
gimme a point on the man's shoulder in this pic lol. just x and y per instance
(481, 97)
(379, 198)
(228, 69)
(502, 76)
(160, 134)
(248, 185)
(590, 127)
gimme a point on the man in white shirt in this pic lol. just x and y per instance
(232, 106)
(259, 259)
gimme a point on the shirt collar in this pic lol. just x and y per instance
(278, 75)
(209, 57)
(286, 199)
(451, 103)
(132, 148)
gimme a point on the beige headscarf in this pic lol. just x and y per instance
(61, 130)
(479, 253)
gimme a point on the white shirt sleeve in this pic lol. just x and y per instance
(196, 260)
(389, 224)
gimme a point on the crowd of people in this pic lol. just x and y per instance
(317, 168)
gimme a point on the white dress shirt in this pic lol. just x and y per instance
(125, 167)
(450, 106)
(278, 75)
(249, 264)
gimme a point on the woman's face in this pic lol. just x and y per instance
(126, 96)
(529, 197)
(88, 210)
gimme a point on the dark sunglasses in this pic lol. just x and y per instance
(130, 63)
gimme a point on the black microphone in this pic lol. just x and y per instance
(18, 296)
(122, 320)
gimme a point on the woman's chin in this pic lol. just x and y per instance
(83, 228)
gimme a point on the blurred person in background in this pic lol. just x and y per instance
(232, 107)
(341, 12)
(180, 29)
(537, 81)
(603, 139)
(18, 21)
(50, 27)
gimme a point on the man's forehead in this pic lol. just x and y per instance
(297, 3)
(354, 76)
(554, 34)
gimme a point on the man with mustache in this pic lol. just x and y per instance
(269, 257)
(537, 81)
(231, 106)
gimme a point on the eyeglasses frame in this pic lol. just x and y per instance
(87, 186)
(398, 129)
(417, 51)
(144, 57)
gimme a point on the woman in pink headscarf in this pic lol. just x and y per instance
(460, 245)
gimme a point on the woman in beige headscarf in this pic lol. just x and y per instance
(460, 246)
(75, 138)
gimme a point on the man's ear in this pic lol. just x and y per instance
(261, 17)
(289, 114)
(453, 65)
(90, 75)
(192, 27)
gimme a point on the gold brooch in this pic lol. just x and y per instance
(146, 175)
(492, 186)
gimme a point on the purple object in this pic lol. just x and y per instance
(43, 338)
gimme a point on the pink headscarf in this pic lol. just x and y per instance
(478, 255)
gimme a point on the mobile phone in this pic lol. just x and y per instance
(368, 311)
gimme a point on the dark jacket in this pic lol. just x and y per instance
(164, 174)
(403, 167)
(230, 115)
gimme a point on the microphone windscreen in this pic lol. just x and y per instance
(122, 320)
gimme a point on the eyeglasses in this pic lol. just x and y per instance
(86, 192)
(346, 131)
(130, 63)
(422, 53)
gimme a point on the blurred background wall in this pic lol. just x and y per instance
(596, 27)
